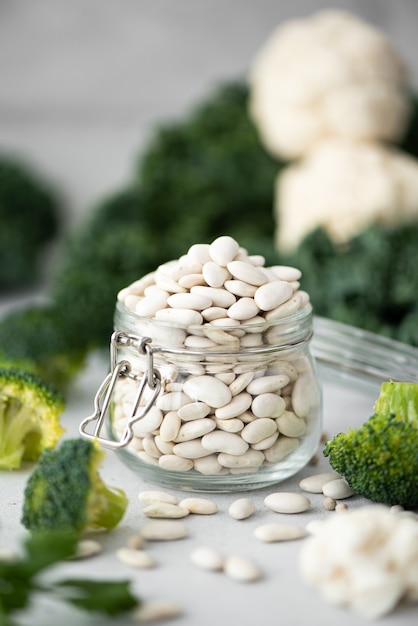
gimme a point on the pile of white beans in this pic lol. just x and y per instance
(221, 410)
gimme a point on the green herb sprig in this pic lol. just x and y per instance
(20, 581)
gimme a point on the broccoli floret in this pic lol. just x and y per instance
(370, 282)
(207, 175)
(379, 460)
(29, 218)
(111, 249)
(66, 492)
(43, 340)
(29, 417)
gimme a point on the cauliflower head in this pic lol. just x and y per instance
(343, 187)
(365, 560)
(328, 75)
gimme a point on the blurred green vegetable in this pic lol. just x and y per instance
(371, 282)
(29, 220)
(45, 340)
(21, 581)
(30, 418)
(208, 175)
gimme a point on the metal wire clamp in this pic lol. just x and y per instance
(103, 397)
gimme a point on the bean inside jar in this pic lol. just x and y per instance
(239, 405)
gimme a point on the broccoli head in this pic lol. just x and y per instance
(43, 340)
(379, 460)
(29, 218)
(29, 417)
(207, 174)
(66, 492)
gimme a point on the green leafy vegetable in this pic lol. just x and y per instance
(29, 219)
(379, 460)
(21, 580)
(44, 340)
(66, 492)
(371, 282)
(110, 598)
(30, 414)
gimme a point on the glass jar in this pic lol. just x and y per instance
(210, 409)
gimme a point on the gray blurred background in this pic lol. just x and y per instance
(83, 82)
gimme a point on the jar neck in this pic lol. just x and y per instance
(285, 333)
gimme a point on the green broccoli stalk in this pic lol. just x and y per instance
(379, 460)
(66, 492)
(29, 417)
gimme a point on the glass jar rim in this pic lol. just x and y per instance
(293, 329)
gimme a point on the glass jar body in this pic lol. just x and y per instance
(231, 416)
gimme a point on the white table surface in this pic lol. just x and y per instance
(206, 598)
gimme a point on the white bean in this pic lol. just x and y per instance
(241, 382)
(239, 288)
(241, 508)
(86, 548)
(233, 425)
(193, 411)
(215, 275)
(247, 273)
(199, 506)
(238, 405)
(214, 313)
(274, 532)
(243, 309)
(163, 530)
(267, 384)
(272, 294)
(220, 441)
(165, 510)
(189, 301)
(199, 253)
(303, 395)
(249, 459)
(148, 306)
(135, 558)
(291, 425)
(181, 317)
(175, 463)
(170, 426)
(286, 272)
(316, 482)
(223, 249)
(287, 502)
(208, 465)
(195, 429)
(338, 489)
(207, 558)
(150, 422)
(190, 449)
(241, 569)
(220, 297)
(208, 389)
(259, 429)
(155, 611)
(268, 405)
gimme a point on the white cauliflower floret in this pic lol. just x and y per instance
(344, 187)
(327, 75)
(366, 560)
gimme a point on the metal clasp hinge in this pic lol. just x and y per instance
(103, 397)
